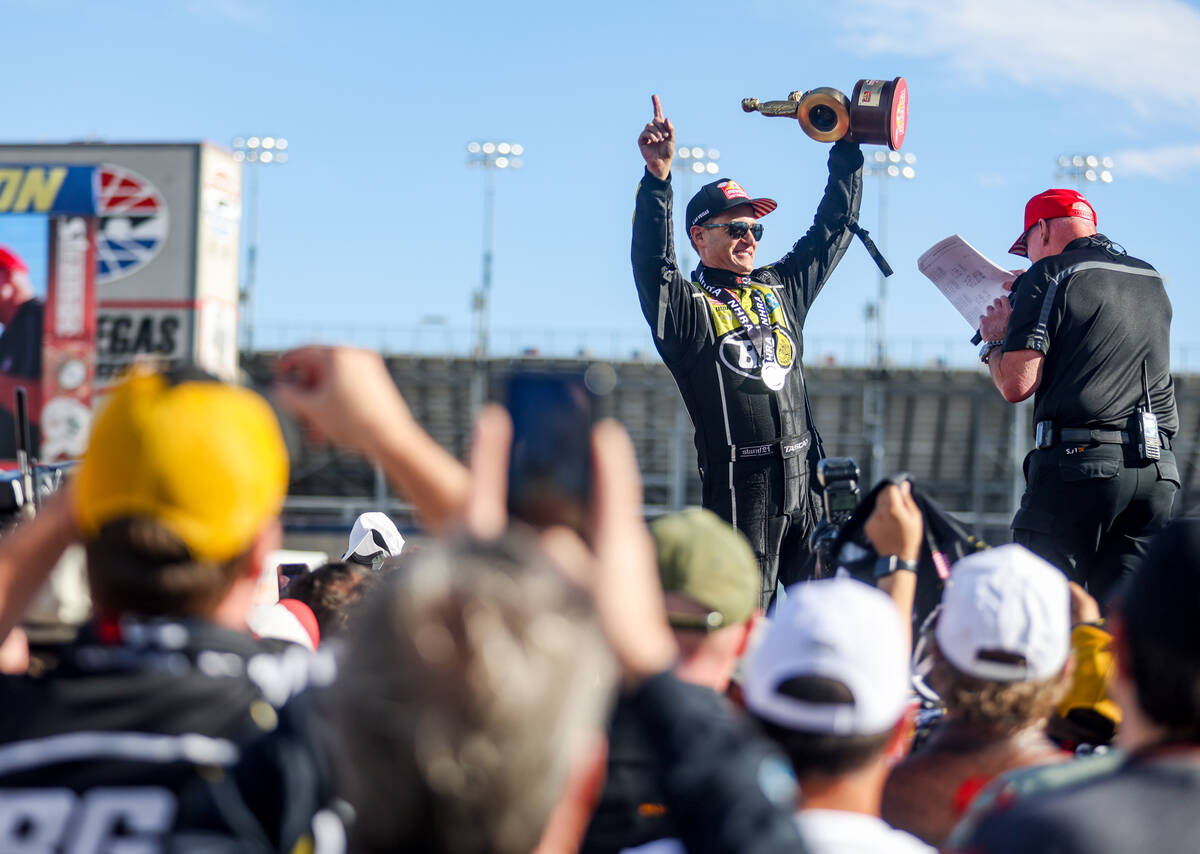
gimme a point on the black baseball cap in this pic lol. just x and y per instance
(721, 195)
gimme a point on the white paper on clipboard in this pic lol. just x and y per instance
(965, 276)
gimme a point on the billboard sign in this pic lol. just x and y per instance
(48, 189)
(166, 249)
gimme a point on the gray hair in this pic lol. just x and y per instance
(470, 682)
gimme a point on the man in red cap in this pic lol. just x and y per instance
(20, 345)
(1087, 331)
(731, 334)
(21, 314)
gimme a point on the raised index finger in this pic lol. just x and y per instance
(658, 113)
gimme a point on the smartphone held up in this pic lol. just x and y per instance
(550, 469)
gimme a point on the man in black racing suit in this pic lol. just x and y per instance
(744, 389)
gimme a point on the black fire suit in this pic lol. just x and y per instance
(757, 448)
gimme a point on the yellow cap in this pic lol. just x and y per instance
(205, 459)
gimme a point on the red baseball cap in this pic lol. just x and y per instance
(1051, 205)
(11, 261)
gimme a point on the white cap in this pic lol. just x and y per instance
(839, 629)
(1006, 616)
(373, 534)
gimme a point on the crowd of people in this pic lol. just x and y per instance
(502, 689)
(679, 686)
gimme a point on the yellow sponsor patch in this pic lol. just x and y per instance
(725, 321)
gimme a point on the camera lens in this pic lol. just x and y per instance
(823, 118)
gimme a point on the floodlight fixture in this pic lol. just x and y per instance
(488, 155)
(1085, 168)
(259, 151)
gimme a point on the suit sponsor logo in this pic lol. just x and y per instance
(792, 448)
(756, 450)
(738, 354)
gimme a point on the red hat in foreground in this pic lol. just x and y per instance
(1051, 205)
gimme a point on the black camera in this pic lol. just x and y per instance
(838, 477)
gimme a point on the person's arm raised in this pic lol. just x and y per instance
(29, 552)
(347, 395)
(657, 142)
(895, 527)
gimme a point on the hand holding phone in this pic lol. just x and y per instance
(549, 479)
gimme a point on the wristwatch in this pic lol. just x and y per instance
(985, 350)
(886, 565)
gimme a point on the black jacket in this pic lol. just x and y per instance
(138, 732)
(1148, 804)
(726, 787)
(705, 346)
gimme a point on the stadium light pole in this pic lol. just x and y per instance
(694, 161)
(254, 151)
(691, 161)
(489, 156)
(886, 166)
(1083, 169)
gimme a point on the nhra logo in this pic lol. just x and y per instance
(133, 223)
(733, 190)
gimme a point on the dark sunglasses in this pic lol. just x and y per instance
(737, 230)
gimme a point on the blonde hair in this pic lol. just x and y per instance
(1002, 706)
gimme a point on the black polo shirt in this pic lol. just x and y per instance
(1097, 314)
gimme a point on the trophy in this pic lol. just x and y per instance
(876, 113)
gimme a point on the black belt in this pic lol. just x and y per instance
(788, 446)
(1048, 436)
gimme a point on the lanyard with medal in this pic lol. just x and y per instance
(762, 338)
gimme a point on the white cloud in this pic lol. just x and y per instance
(1143, 53)
(1164, 163)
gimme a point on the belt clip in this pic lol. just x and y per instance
(1044, 437)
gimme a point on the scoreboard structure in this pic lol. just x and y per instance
(166, 248)
(143, 244)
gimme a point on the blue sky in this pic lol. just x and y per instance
(374, 226)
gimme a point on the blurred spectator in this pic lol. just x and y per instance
(1149, 802)
(20, 348)
(727, 787)
(176, 501)
(21, 314)
(467, 698)
(998, 658)
(331, 591)
(346, 395)
(829, 683)
(14, 652)
(373, 539)
(288, 620)
(1087, 716)
(710, 582)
